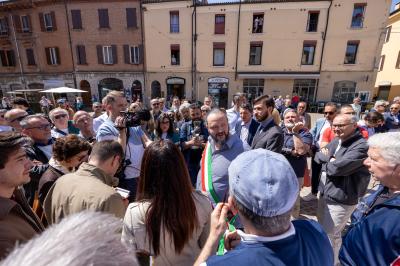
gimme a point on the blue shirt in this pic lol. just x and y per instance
(220, 162)
(309, 245)
(298, 163)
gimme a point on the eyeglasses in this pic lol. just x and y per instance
(60, 116)
(19, 119)
(42, 127)
(392, 108)
(341, 125)
(329, 113)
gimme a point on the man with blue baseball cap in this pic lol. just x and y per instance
(263, 189)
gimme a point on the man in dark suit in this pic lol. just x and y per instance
(268, 136)
(247, 126)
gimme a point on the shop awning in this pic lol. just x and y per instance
(279, 75)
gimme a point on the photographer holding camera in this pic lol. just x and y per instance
(124, 127)
(193, 137)
(296, 145)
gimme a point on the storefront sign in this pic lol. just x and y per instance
(218, 80)
(175, 81)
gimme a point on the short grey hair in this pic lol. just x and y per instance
(51, 114)
(184, 106)
(86, 238)
(388, 144)
(379, 103)
(273, 225)
(26, 121)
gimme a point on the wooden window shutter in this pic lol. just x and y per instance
(141, 54)
(81, 54)
(47, 50)
(29, 23)
(58, 56)
(11, 57)
(53, 20)
(99, 49)
(114, 54)
(103, 18)
(41, 21)
(131, 20)
(76, 19)
(219, 45)
(398, 61)
(30, 56)
(126, 54)
(17, 23)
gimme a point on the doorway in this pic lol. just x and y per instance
(86, 97)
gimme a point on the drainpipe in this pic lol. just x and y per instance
(21, 67)
(142, 52)
(194, 43)
(70, 45)
(237, 40)
(323, 47)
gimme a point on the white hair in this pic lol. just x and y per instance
(379, 103)
(388, 145)
(86, 238)
(184, 106)
(58, 109)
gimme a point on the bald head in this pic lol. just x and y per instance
(13, 117)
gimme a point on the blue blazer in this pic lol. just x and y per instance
(316, 130)
(389, 121)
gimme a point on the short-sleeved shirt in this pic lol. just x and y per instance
(134, 151)
(298, 163)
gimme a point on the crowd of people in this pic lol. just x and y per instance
(194, 184)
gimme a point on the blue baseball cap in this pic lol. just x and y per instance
(264, 182)
(61, 100)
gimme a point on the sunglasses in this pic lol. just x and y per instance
(60, 116)
(329, 113)
(42, 127)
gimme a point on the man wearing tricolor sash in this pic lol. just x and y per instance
(221, 149)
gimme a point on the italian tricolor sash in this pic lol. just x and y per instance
(206, 174)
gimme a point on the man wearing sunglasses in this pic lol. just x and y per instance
(38, 128)
(14, 117)
(317, 132)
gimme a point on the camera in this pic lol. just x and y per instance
(134, 119)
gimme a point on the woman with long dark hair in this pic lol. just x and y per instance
(170, 220)
(165, 129)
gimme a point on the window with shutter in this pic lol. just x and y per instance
(3, 26)
(26, 24)
(48, 22)
(398, 61)
(30, 57)
(7, 58)
(357, 19)
(131, 20)
(382, 63)
(388, 31)
(76, 19)
(219, 24)
(81, 54)
(134, 55)
(255, 53)
(219, 54)
(174, 21)
(17, 23)
(107, 55)
(103, 18)
(312, 24)
(52, 55)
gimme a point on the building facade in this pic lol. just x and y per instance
(320, 50)
(93, 46)
(387, 85)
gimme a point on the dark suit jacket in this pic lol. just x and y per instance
(252, 130)
(268, 136)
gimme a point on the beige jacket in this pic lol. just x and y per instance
(89, 188)
(134, 232)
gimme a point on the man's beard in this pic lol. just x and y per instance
(263, 118)
(220, 141)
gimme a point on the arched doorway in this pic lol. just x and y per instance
(86, 97)
(155, 89)
(109, 84)
(136, 91)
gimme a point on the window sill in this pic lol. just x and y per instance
(314, 32)
(356, 28)
(81, 29)
(219, 66)
(349, 64)
(219, 34)
(260, 33)
(132, 28)
(254, 64)
(175, 65)
(31, 65)
(104, 29)
(307, 64)
(174, 32)
(85, 64)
